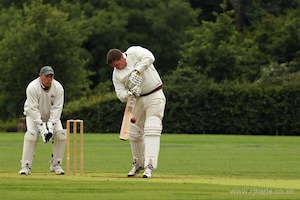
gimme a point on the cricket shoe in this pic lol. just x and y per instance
(135, 170)
(57, 169)
(148, 173)
(25, 171)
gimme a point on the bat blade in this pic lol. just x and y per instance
(128, 114)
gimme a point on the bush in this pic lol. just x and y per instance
(9, 126)
(197, 105)
(101, 114)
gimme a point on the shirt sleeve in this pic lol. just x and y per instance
(121, 90)
(57, 106)
(145, 57)
(33, 105)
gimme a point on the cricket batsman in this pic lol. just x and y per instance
(43, 108)
(134, 73)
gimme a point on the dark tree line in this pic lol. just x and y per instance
(234, 40)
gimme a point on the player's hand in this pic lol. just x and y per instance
(50, 131)
(136, 90)
(136, 78)
(129, 93)
(43, 131)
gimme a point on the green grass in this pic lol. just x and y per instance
(190, 167)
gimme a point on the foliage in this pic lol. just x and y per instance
(44, 36)
(279, 36)
(156, 25)
(217, 50)
(8, 126)
(257, 9)
(104, 113)
(103, 94)
(100, 111)
(277, 74)
(198, 105)
(187, 86)
(109, 22)
(207, 7)
(8, 19)
(160, 26)
(198, 49)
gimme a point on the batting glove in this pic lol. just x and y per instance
(135, 78)
(43, 131)
(136, 90)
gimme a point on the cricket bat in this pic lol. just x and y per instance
(128, 114)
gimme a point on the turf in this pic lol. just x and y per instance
(190, 167)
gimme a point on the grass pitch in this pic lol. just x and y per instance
(190, 167)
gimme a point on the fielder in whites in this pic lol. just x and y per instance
(134, 73)
(43, 108)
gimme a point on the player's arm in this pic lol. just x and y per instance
(32, 100)
(55, 110)
(33, 105)
(57, 106)
(145, 56)
(122, 90)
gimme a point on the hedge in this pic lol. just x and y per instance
(208, 109)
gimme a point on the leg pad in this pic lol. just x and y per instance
(153, 129)
(137, 144)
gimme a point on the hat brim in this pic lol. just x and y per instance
(48, 72)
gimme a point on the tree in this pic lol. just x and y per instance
(279, 36)
(157, 25)
(239, 14)
(249, 12)
(8, 18)
(44, 36)
(109, 22)
(246, 12)
(161, 26)
(220, 52)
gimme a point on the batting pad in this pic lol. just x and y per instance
(152, 144)
(137, 144)
(58, 146)
(153, 128)
(30, 141)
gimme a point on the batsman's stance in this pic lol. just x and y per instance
(43, 108)
(135, 74)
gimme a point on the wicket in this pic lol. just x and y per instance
(74, 129)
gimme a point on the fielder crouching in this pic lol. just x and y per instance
(134, 73)
(43, 108)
